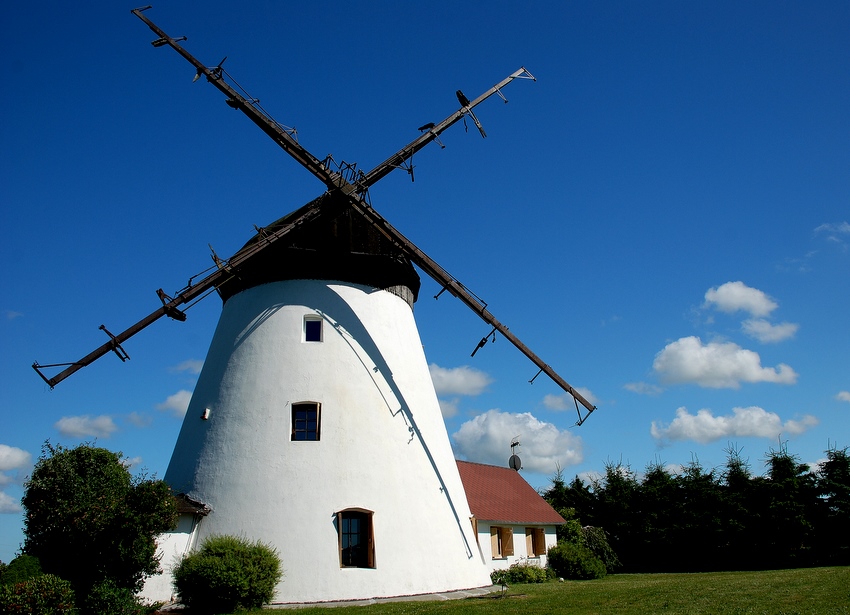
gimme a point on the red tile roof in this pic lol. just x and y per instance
(501, 494)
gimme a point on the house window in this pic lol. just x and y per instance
(312, 329)
(356, 540)
(535, 541)
(501, 542)
(306, 421)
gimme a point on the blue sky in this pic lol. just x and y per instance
(664, 216)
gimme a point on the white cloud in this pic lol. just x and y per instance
(80, 426)
(177, 403)
(13, 458)
(544, 447)
(566, 401)
(735, 296)
(8, 505)
(704, 427)
(716, 365)
(643, 388)
(139, 420)
(193, 366)
(843, 396)
(462, 380)
(131, 462)
(448, 408)
(834, 229)
(12, 315)
(766, 332)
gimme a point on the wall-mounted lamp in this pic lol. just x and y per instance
(206, 414)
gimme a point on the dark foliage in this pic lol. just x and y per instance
(227, 573)
(45, 594)
(22, 568)
(702, 520)
(89, 521)
(106, 598)
(574, 561)
(520, 572)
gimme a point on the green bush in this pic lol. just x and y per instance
(520, 572)
(572, 561)
(596, 539)
(107, 598)
(226, 574)
(42, 595)
(22, 568)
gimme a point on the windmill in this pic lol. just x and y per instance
(314, 424)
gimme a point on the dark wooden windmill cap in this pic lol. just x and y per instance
(339, 245)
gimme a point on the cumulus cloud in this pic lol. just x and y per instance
(716, 365)
(177, 403)
(193, 366)
(131, 462)
(13, 458)
(704, 427)
(139, 420)
(9, 505)
(448, 408)
(463, 380)
(566, 401)
(737, 296)
(544, 447)
(81, 426)
(843, 396)
(643, 388)
(766, 332)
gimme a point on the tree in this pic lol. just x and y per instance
(740, 513)
(833, 489)
(89, 521)
(787, 498)
(658, 526)
(617, 511)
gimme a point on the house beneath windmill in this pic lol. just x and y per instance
(512, 521)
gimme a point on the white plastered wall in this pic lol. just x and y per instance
(521, 552)
(383, 447)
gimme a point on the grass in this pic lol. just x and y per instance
(815, 591)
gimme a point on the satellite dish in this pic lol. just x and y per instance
(515, 463)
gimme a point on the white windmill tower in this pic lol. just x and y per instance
(314, 425)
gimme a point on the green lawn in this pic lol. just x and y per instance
(803, 591)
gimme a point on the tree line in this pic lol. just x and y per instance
(723, 518)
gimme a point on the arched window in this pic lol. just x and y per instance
(356, 539)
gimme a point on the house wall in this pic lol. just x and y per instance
(520, 550)
(383, 447)
(171, 547)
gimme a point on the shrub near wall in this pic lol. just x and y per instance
(521, 572)
(228, 573)
(573, 561)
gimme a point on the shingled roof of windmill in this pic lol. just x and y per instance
(501, 494)
(339, 244)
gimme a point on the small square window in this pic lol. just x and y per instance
(312, 329)
(306, 421)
